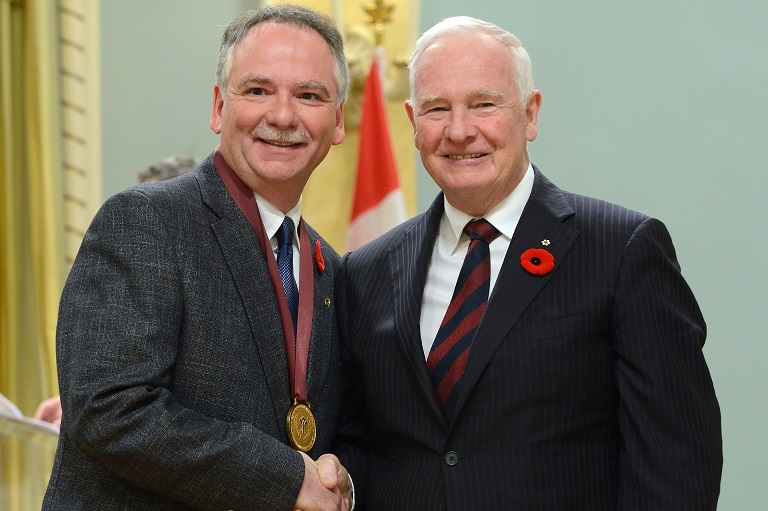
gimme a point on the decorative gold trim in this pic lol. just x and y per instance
(81, 113)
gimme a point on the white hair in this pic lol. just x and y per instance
(460, 25)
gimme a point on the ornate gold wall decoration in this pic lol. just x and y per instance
(81, 114)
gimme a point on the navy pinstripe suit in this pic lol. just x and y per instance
(585, 389)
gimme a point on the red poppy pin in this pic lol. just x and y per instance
(319, 257)
(537, 261)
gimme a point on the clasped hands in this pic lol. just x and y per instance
(326, 487)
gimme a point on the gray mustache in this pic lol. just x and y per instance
(291, 136)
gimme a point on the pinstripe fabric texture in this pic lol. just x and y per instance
(585, 388)
(171, 359)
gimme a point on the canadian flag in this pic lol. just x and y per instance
(378, 204)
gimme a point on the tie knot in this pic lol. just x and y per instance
(285, 232)
(481, 229)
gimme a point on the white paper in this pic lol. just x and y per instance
(13, 422)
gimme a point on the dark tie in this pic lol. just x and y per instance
(448, 357)
(285, 265)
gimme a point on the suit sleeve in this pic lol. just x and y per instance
(669, 415)
(121, 323)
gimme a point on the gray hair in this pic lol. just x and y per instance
(460, 25)
(295, 15)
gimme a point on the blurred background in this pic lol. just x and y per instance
(658, 105)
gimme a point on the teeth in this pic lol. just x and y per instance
(280, 144)
(463, 156)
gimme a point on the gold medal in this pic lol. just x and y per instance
(302, 430)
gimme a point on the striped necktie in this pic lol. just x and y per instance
(448, 357)
(285, 266)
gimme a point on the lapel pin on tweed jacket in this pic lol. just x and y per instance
(321, 268)
(319, 257)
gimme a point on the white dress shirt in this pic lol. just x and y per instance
(272, 218)
(451, 246)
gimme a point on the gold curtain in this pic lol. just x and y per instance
(31, 231)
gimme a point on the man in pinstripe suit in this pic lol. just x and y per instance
(584, 386)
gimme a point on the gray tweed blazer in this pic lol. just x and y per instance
(171, 359)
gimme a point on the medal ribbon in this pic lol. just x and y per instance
(297, 350)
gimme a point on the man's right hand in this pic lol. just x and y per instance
(314, 496)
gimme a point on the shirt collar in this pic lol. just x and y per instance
(504, 216)
(272, 217)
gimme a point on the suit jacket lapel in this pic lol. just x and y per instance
(542, 219)
(409, 262)
(322, 318)
(247, 264)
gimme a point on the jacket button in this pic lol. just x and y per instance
(451, 458)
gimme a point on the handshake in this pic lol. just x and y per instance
(327, 485)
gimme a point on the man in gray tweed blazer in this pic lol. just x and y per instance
(174, 340)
